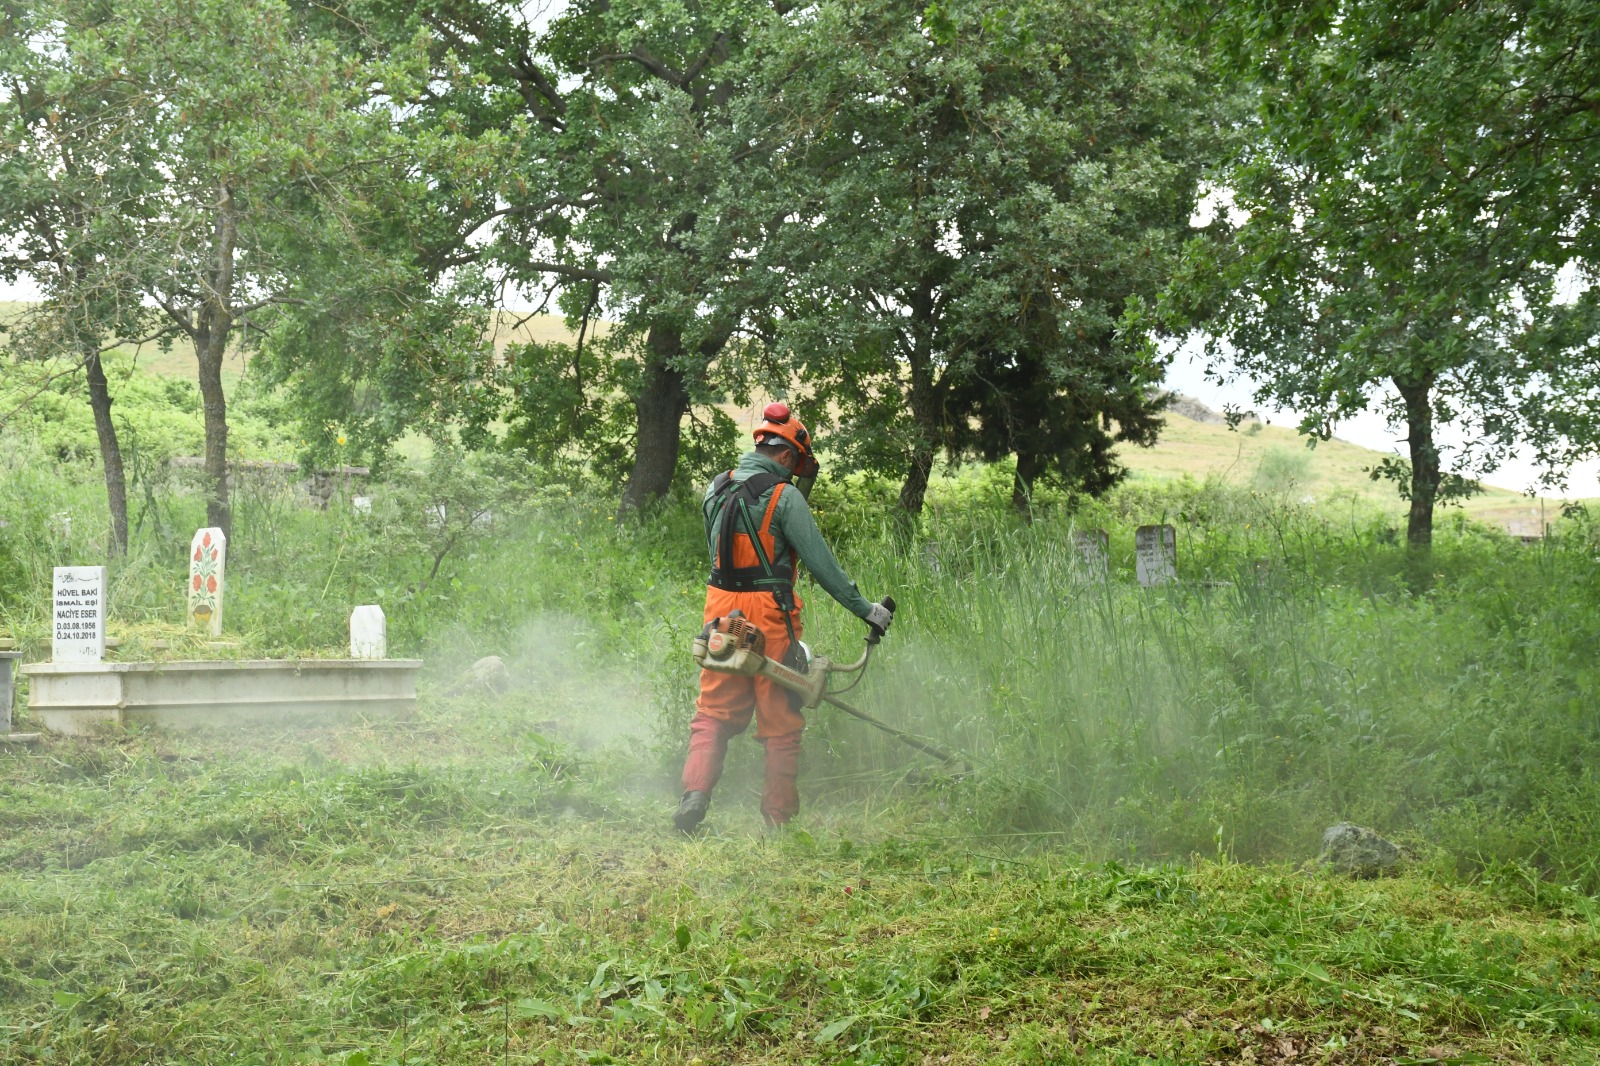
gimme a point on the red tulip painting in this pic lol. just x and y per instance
(207, 557)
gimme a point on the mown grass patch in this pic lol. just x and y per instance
(490, 883)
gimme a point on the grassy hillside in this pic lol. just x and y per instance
(178, 359)
(1269, 457)
(1277, 459)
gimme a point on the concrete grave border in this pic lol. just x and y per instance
(80, 698)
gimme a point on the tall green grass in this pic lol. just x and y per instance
(1289, 680)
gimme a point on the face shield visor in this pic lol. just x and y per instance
(805, 475)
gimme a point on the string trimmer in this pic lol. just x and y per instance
(732, 645)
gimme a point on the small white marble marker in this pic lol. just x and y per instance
(369, 631)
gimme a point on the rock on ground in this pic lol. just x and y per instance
(1357, 851)
(488, 674)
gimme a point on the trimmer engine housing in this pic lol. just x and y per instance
(732, 645)
(731, 633)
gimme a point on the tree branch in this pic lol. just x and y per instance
(650, 63)
(36, 393)
(139, 342)
(568, 271)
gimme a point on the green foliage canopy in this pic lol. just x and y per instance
(1418, 183)
(992, 186)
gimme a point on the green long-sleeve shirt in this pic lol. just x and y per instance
(794, 532)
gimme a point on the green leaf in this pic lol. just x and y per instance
(682, 936)
(536, 1008)
(830, 1032)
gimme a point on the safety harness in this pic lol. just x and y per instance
(736, 503)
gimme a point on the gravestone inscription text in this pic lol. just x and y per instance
(78, 632)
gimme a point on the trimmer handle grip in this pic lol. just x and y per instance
(875, 633)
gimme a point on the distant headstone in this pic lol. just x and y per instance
(368, 633)
(1094, 554)
(208, 557)
(362, 504)
(1155, 551)
(79, 635)
(8, 660)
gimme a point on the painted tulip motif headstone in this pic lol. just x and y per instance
(79, 634)
(208, 555)
(1156, 554)
(368, 633)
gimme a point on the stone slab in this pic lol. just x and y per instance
(81, 698)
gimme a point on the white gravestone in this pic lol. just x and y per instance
(208, 557)
(1094, 554)
(1156, 554)
(368, 633)
(80, 615)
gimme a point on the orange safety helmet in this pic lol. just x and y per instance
(777, 421)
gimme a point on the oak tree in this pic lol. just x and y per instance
(1417, 185)
(993, 185)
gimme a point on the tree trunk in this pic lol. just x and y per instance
(110, 450)
(914, 492)
(215, 322)
(662, 401)
(1425, 477)
(208, 352)
(1029, 466)
(923, 402)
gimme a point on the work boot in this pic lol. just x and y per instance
(691, 811)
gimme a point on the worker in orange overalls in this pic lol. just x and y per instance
(758, 525)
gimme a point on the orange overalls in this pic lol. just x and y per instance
(727, 701)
